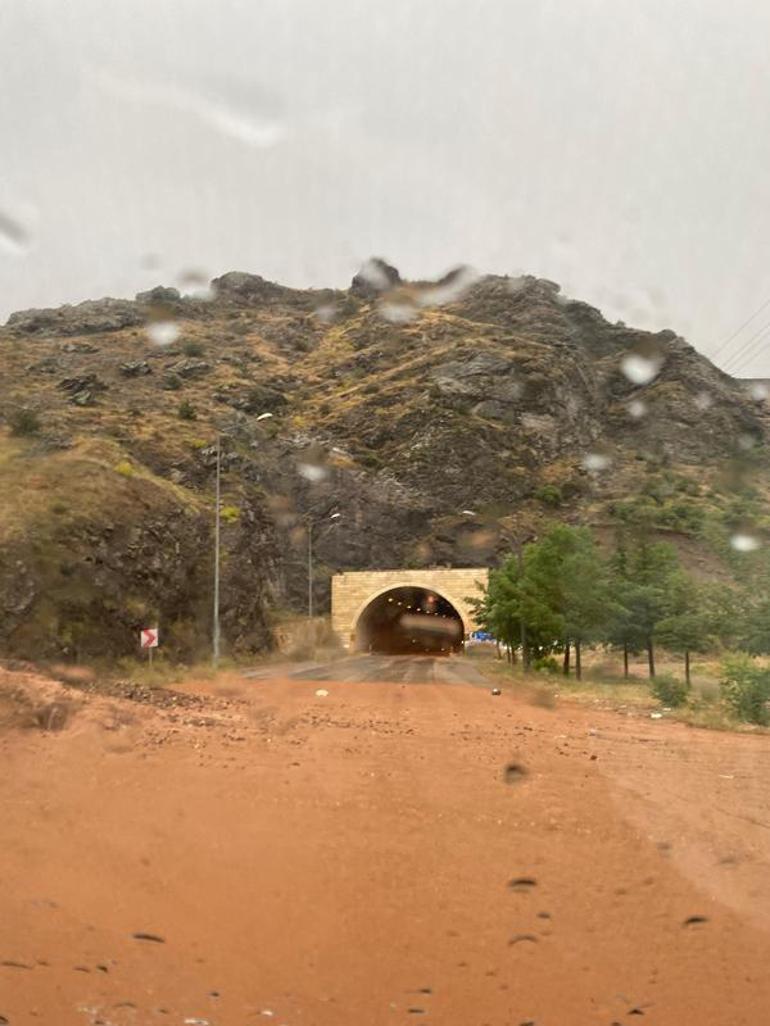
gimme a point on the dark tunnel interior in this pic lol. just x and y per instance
(410, 621)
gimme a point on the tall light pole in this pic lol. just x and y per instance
(333, 517)
(217, 524)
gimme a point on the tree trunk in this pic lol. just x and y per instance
(650, 657)
(524, 646)
(565, 663)
(687, 666)
(497, 647)
(514, 657)
(625, 659)
(507, 652)
(578, 667)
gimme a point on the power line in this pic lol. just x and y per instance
(737, 331)
(746, 353)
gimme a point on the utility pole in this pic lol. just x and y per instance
(334, 518)
(309, 569)
(215, 635)
(522, 624)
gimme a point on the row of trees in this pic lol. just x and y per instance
(561, 593)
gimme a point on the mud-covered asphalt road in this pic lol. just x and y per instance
(392, 852)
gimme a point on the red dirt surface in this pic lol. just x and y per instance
(347, 860)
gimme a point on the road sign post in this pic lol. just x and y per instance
(148, 638)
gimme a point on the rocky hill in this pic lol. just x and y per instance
(400, 405)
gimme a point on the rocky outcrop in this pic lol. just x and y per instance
(100, 315)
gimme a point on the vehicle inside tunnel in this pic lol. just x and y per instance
(410, 621)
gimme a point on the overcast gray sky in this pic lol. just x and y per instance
(617, 146)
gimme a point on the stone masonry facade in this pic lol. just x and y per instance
(353, 591)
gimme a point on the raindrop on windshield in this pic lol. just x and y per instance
(742, 542)
(397, 313)
(14, 237)
(195, 284)
(637, 408)
(312, 471)
(325, 314)
(640, 369)
(596, 461)
(163, 333)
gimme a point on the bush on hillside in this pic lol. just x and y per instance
(746, 688)
(24, 422)
(669, 690)
(549, 495)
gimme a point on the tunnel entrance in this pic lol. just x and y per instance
(410, 621)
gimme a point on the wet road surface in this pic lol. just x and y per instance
(362, 669)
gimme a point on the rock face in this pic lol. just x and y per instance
(482, 394)
(83, 319)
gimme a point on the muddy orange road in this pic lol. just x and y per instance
(272, 855)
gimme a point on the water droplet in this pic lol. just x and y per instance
(759, 391)
(150, 262)
(596, 461)
(744, 542)
(163, 333)
(373, 273)
(326, 314)
(640, 369)
(746, 442)
(637, 408)
(450, 288)
(14, 237)
(397, 313)
(703, 400)
(195, 283)
(312, 472)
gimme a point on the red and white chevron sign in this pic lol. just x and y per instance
(148, 637)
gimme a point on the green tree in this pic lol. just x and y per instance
(690, 622)
(566, 574)
(643, 578)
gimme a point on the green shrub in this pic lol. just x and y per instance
(124, 468)
(549, 495)
(546, 664)
(186, 410)
(669, 690)
(229, 514)
(24, 422)
(746, 688)
(192, 348)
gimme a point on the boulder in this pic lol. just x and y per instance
(190, 368)
(135, 369)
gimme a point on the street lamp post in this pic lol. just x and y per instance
(217, 525)
(334, 517)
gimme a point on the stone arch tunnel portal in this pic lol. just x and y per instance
(410, 620)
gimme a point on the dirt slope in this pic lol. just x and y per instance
(349, 858)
